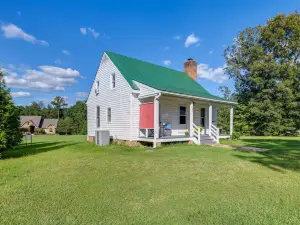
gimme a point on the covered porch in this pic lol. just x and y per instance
(168, 117)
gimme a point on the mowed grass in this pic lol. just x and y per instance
(66, 180)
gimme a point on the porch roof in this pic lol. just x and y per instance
(159, 77)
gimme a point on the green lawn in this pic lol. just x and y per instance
(66, 180)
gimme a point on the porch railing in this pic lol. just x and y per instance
(215, 132)
(196, 134)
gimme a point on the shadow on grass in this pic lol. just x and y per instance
(35, 148)
(283, 154)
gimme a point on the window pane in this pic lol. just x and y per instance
(98, 116)
(182, 120)
(182, 111)
(113, 80)
(202, 112)
(108, 114)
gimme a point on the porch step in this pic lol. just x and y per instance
(207, 140)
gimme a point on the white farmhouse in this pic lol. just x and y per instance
(139, 101)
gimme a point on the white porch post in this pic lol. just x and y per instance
(191, 119)
(156, 120)
(209, 119)
(231, 120)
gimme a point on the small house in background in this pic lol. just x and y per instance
(49, 126)
(32, 123)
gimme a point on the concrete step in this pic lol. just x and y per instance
(206, 138)
(208, 142)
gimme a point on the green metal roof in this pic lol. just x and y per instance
(158, 77)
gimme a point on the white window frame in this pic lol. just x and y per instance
(112, 81)
(98, 85)
(108, 118)
(98, 123)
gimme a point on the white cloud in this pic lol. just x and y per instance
(11, 31)
(90, 31)
(166, 48)
(93, 32)
(82, 95)
(60, 71)
(167, 62)
(177, 37)
(65, 52)
(45, 78)
(190, 40)
(216, 75)
(20, 94)
(83, 30)
(210, 52)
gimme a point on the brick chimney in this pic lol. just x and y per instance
(190, 67)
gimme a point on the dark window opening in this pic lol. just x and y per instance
(182, 115)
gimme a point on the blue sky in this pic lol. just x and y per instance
(50, 48)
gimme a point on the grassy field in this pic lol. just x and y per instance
(66, 180)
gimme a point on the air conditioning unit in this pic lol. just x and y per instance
(96, 91)
(102, 137)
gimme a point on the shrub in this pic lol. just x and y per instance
(201, 128)
(235, 135)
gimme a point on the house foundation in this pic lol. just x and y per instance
(91, 138)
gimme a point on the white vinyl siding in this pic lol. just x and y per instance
(135, 116)
(118, 100)
(145, 90)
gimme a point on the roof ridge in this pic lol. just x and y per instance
(145, 62)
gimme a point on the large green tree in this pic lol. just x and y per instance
(264, 62)
(78, 114)
(10, 134)
(58, 102)
(223, 112)
(65, 126)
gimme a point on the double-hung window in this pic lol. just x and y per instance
(108, 115)
(113, 81)
(98, 116)
(202, 117)
(182, 115)
(97, 87)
